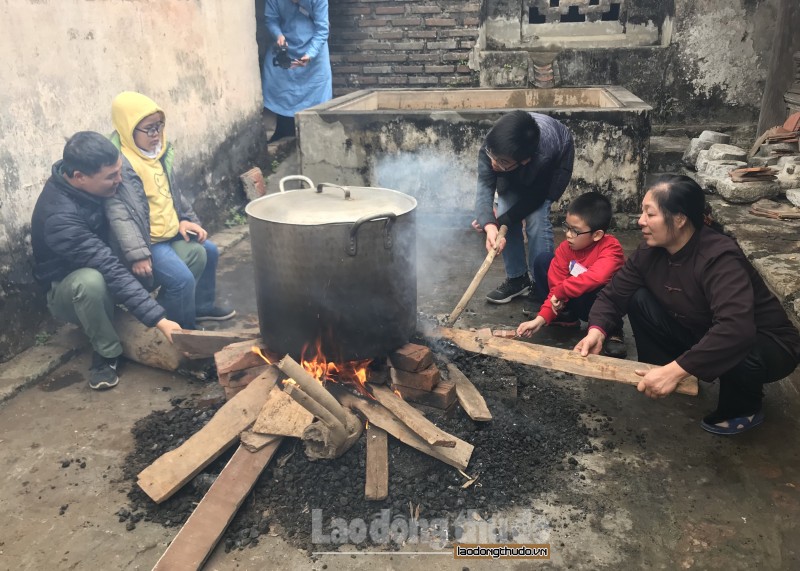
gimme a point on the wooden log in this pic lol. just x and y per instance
(442, 396)
(412, 357)
(469, 397)
(414, 419)
(282, 415)
(312, 387)
(203, 344)
(476, 281)
(173, 469)
(425, 380)
(458, 456)
(595, 366)
(146, 345)
(377, 480)
(204, 528)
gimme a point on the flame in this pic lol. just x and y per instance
(350, 372)
(258, 352)
(289, 382)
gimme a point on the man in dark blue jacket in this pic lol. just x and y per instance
(72, 260)
(527, 160)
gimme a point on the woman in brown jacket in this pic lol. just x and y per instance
(696, 307)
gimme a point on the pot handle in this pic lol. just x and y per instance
(295, 177)
(352, 247)
(344, 188)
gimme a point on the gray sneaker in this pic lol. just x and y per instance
(103, 374)
(509, 289)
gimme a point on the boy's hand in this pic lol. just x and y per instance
(142, 268)
(528, 328)
(167, 327)
(557, 304)
(185, 226)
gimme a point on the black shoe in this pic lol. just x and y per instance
(565, 319)
(531, 304)
(103, 374)
(614, 346)
(509, 289)
(216, 314)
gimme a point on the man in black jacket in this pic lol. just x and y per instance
(72, 260)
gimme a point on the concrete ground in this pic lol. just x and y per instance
(667, 496)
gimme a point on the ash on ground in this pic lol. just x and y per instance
(535, 431)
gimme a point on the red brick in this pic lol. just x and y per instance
(389, 10)
(411, 357)
(406, 21)
(442, 396)
(426, 9)
(440, 22)
(351, 35)
(463, 33)
(424, 380)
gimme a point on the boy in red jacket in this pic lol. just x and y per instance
(581, 266)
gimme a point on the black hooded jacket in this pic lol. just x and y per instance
(69, 231)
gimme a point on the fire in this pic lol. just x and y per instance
(350, 372)
(257, 351)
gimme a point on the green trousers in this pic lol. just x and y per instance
(82, 298)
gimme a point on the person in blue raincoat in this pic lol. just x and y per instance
(302, 27)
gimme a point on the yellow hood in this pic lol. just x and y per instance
(127, 110)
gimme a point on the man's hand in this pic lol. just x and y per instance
(142, 268)
(491, 238)
(186, 226)
(167, 327)
(660, 381)
(592, 343)
(478, 227)
(528, 328)
(301, 62)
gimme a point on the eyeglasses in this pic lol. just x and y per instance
(153, 129)
(571, 231)
(502, 164)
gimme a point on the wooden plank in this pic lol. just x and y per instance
(203, 344)
(442, 396)
(458, 456)
(254, 441)
(425, 380)
(240, 379)
(173, 469)
(595, 366)
(377, 482)
(282, 415)
(469, 397)
(412, 357)
(413, 418)
(202, 531)
(146, 345)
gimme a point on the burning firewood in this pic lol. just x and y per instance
(336, 428)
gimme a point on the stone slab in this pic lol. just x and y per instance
(793, 195)
(746, 192)
(780, 272)
(762, 161)
(715, 137)
(691, 154)
(702, 161)
(720, 152)
(789, 160)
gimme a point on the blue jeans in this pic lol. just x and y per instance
(540, 237)
(187, 274)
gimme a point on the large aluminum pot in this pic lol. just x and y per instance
(335, 264)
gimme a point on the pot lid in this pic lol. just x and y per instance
(328, 204)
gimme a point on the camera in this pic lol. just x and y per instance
(282, 58)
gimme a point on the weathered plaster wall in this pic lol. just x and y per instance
(63, 62)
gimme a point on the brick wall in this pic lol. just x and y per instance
(391, 43)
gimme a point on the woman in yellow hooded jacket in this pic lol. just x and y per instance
(153, 229)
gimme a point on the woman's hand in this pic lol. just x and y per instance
(301, 62)
(491, 238)
(142, 268)
(592, 343)
(528, 328)
(185, 226)
(660, 381)
(281, 41)
(167, 327)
